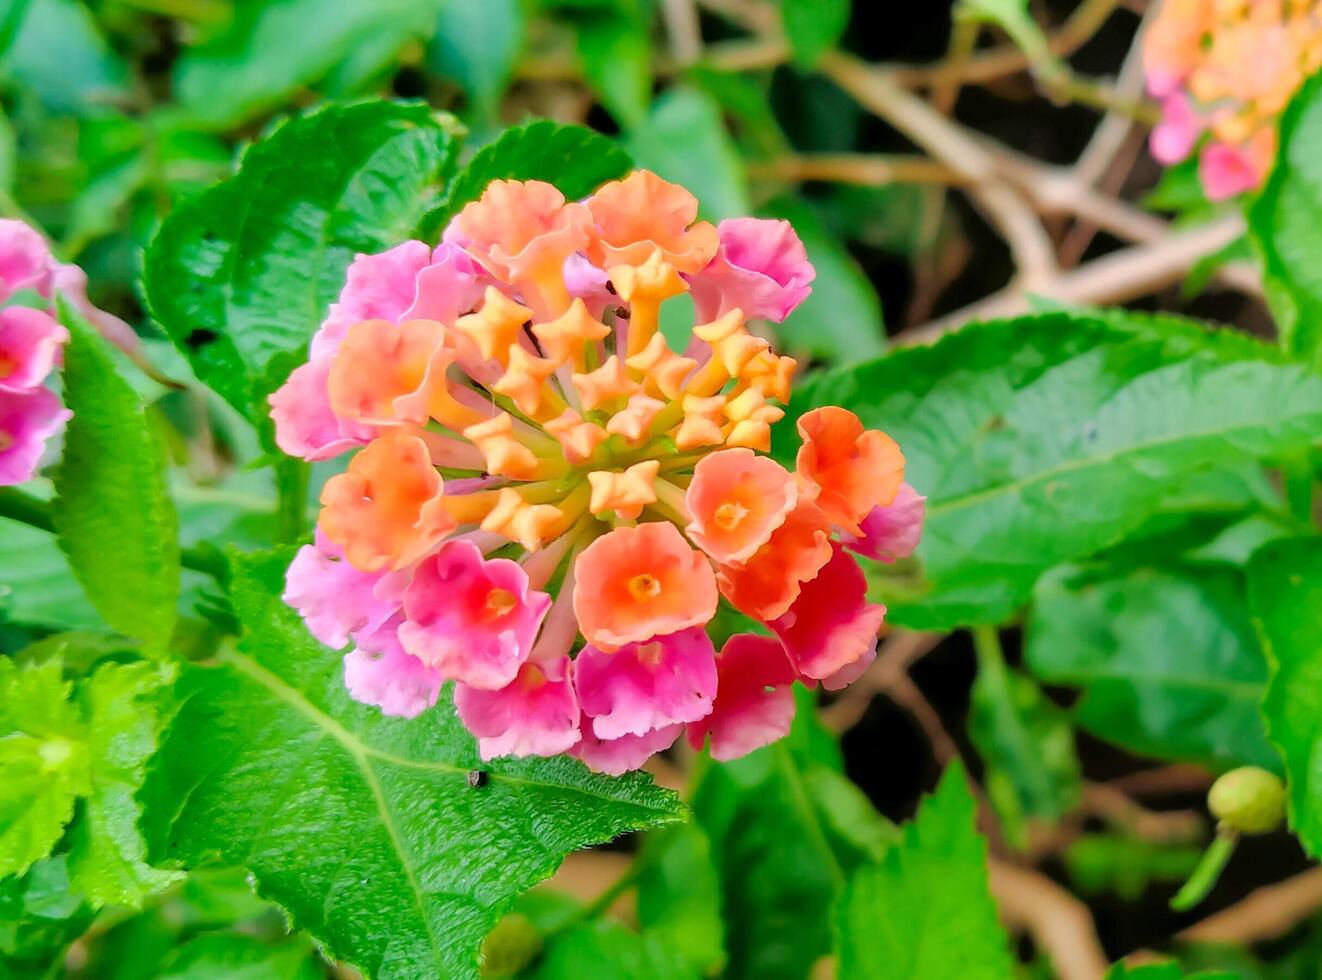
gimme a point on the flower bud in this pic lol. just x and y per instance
(1249, 800)
(511, 946)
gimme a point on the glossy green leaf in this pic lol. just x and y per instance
(244, 272)
(1167, 660)
(573, 158)
(270, 50)
(684, 140)
(813, 27)
(477, 45)
(840, 321)
(44, 760)
(1027, 745)
(1286, 224)
(106, 852)
(679, 896)
(925, 910)
(1048, 438)
(1285, 595)
(115, 519)
(365, 828)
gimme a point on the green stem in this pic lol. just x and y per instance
(807, 812)
(1209, 869)
(16, 505)
(991, 660)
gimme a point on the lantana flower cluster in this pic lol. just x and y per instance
(1227, 68)
(547, 503)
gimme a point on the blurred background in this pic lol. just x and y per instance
(940, 161)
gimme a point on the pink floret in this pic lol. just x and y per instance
(754, 698)
(536, 714)
(642, 687)
(761, 268)
(831, 625)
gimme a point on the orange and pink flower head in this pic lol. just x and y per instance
(549, 503)
(1224, 70)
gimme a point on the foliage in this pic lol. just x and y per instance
(1126, 500)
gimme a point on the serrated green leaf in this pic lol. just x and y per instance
(1167, 660)
(1045, 439)
(684, 140)
(115, 519)
(841, 318)
(244, 272)
(1285, 595)
(1285, 222)
(364, 828)
(43, 761)
(813, 27)
(679, 896)
(1027, 746)
(40, 916)
(573, 158)
(270, 50)
(106, 850)
(925, 910)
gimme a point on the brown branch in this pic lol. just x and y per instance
(745, 54)
(1060, 924)
(1161, 826)
(865, 170)
(1114, 278)
(898, 652)
(1266, 913)
(877, 91)
(1178, 777)
(1008, 59)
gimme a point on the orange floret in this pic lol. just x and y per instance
(635, 583)
(736, 500)
(386, 509)
(383, 373)
(517, 229)
(847, 469)
(642, 213)
(767, 584)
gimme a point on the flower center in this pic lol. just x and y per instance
(730, 515)
(644, 586)
(500, 602)
(7, 364)
(650, 654)
(6, 440)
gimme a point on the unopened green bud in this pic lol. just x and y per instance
(1249, 800)
(512, 945)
